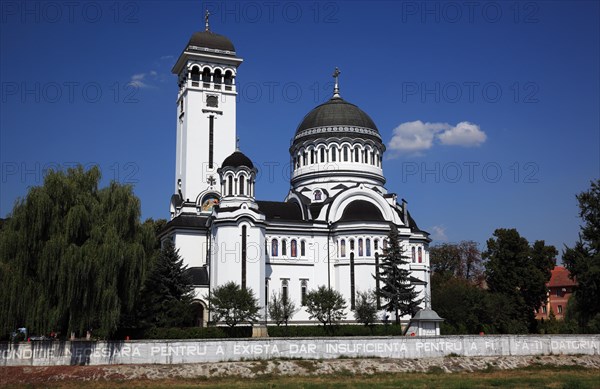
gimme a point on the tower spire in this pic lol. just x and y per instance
(336, 87)
(206, 20)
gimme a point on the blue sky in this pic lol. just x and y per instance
(490, 110)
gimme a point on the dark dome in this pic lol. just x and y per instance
(210, 40)
(336, 112)
(238, 159)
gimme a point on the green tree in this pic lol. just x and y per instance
(365, 310)
(72, 256)
(583, 261)
(399, 294)
(462, 260)
(326, 305)
(281, 309)
(233, 304)
(167, 294)
(519, 272)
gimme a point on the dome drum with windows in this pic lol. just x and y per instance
(338, 140)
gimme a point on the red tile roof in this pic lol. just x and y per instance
(560, 277)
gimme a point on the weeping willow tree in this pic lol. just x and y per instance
(72, 256)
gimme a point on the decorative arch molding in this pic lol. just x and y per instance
(293, 197)
(343, 200)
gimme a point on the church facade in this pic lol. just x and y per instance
(332, 225)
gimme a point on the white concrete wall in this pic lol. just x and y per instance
(192, 247)
(196, 351)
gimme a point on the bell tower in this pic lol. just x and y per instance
(206, 119)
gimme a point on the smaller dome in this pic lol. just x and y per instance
(210, 40)
(238, 159)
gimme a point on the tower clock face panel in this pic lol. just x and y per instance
(212, 101)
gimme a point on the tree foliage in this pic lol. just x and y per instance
(520, 272)
(72, 256)
(462, 260)
(400, 296)
(326, 305)
(167, 294)
(281, 309)
(365, 309)
(583, 261)
(233, 304)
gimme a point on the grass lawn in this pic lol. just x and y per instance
(532, 377)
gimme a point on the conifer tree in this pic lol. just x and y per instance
(168, 293)
(400, 296)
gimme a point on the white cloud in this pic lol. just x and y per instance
(463, 134)
(415, 137)
(439, 233)
(145, 80)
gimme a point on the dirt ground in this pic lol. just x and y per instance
(38, 375)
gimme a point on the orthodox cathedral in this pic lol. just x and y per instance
(332, 225)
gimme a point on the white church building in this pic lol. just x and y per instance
(330, 228)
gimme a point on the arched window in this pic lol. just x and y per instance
(312, 156)
(356, 154)
(303, 291)
(230, 185)
(218, 77)
(304, 158)
(365, 156)
(351, 245)
(360, 247)
(333, 154)
(323, 155)
(420, 255)
(195, 76)
(376, 244)
(284, 247)
(345, 153)
(242, 184)
(274, 248)
(342, 248)
(294, 248)
(372, 158)
(368, 247)
(413, 256)
(206, 77)
(284, 289)
(228, 79)
(302, 248)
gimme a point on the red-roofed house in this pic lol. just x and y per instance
(560, 289)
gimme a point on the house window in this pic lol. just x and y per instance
(284, 247)
(303, 291)
(302, 248)
(560, 309)
(558, 292)
(368, 247)
(544, 310)
(274, 248)
(294, 248)
(284, 289)
(342, 248)
(420, 255)
(413, 255)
